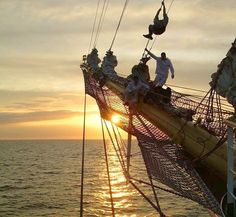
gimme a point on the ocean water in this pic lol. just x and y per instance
(42, 178)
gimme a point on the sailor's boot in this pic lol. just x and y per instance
(148, 36)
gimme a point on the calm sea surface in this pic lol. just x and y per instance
(42, 178)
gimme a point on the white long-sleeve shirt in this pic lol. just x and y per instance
(163, 66)
(133, 90)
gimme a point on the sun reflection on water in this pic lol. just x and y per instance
(127, 201)
(121, 190)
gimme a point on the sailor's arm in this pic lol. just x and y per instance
(157, 14)
(172, 70)
(164, 8)
(152, 55)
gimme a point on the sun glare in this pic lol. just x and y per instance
(115, 119)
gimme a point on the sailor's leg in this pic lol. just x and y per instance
(149, 35)
(155, 80)
(160, 80)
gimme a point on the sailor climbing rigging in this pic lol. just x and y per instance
(163, 65)
(159, 26)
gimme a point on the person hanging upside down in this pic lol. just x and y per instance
(159, 26)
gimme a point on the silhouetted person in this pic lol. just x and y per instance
(159, 26)
(142, 70)
(93, 59)
(163, 65)
(109, 63)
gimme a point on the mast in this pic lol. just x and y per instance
(231, 172)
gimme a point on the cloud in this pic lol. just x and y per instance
(42, 43)
(29, 101)
(48, 73)
(11, 117)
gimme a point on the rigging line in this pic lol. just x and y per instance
(137, 168)
(202, 157)
(144, 196)
(203, 99)
(187, 88)
(192, 89)
(143, 55)
(122, 164)
(153, 43)
(219, 110)
(158, 187)
(170, 6)
(221, 204)
(138, 153)
(146, 128)
(123, 146)
(82, 164)
(113, 144)
(122, 14)
(107, 166)
(121, 139)
(155, 195)
(199, 97)
(153, 189)
(99, 23)
(94, 22)
(103, 17)
(125, 173)
(117, 142)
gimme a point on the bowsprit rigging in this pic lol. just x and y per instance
(182, 141)
(158, 149)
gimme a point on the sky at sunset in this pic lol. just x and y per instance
(42, 44)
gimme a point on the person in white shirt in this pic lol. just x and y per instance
(133, 90)
(163, 65)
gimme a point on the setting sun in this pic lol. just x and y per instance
(115, 119)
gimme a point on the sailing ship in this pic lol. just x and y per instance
(183, 142)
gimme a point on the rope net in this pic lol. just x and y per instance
(164, 160)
